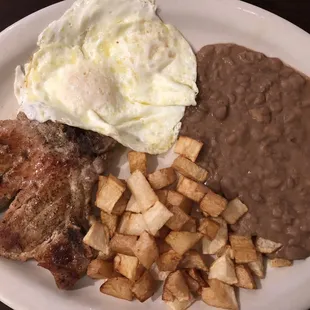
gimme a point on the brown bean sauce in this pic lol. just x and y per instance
(253, 115)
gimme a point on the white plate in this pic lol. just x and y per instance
(27, 287)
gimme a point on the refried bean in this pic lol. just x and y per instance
(253, 115)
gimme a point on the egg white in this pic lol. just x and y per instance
(112, 67)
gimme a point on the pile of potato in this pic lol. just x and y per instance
(164, 226)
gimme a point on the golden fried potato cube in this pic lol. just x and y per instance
(234, 211)
(110, 193)
(188, 147)
(100, 269)
(223, 269)
(132, 205)
(98, 237)
(280, 262)
(220, 295)
(192, 284)
(168, 261)
(102, 181)
(213, 204)
(157, 274)
(162, 195)
(118, 287)
(243, 247)
(106, 256)
(190, 225)
(209, 228)
(121, 204)
(145, 287)
(178, 220)
(176, 284)
(189, 169)
(245, 277)
(220, 240)
(176, 199)
(266, 246)
(146, 250)
(110, 220)
(191, 189)
(182, 241)
(180, 305)
(162, 245)
(132, 224)
(226, 250)
(128, 266)
(257, 266)
(142, 190)
(192, 260)
(156, 217)
(123, 244)
(197, 275)
(137, 161)
(162, 178)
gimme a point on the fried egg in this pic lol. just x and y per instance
(113, 67)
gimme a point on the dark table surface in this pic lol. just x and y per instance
(296, 11)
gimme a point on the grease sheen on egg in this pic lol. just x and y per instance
(112, 67)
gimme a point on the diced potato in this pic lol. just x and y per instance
(223, 269)
(102, 181)
(192, 260)
(197, 275)
(280, 262)
(176, 199)
(192, 284)
(167, 295)
(146, 250)
(257, 266)
(182, 241)
(220, 295)
(142, 190)
(191, 189)
(132, 224)
(189, 169)
(178, 220)
(213, 204)
(110, 193)
(162, 178)
(98, 238)
(234, 211)
(168, 261)
(245, 277)
(266, 246)
(226, 250)
(137, 161)
(220, 240)
(180, 305)
(243, 247)
(110, 220)
(190, 225)
(106, 256)
(100, 269)
(157, 274)
(209, 228)
(123, 244)
(156, 217)
(162, 195)
(121, 204)
(145, 287)
(176, 284)
(132, 205)
(118, 287)
(163, 246)
(128, 266)
(188, 147)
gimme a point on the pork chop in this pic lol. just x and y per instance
(47, 175)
